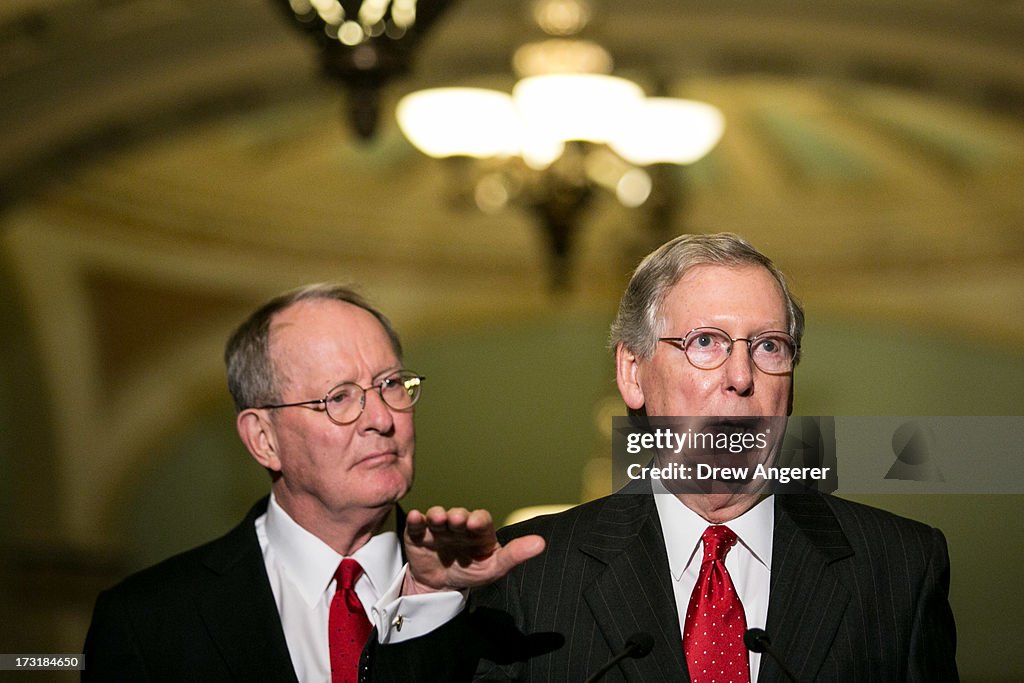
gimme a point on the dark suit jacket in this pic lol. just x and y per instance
(857, 594)
(205, 615)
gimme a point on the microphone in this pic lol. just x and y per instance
(757, 640)
(637, 645)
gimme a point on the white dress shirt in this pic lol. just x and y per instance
(301, 570)
(749, 562)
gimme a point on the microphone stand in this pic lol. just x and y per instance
(637, 645)
(757, 640)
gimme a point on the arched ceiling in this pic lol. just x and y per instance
(874, 149)
(863, 136)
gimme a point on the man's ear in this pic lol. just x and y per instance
(259, 437)
(627, 367)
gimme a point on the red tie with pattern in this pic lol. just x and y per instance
(347, 626)
(713, 632)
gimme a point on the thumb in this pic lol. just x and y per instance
(519, 550)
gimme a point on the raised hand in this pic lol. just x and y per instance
(457, 549)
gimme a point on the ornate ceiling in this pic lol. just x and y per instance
(165, 164)
(872, 148)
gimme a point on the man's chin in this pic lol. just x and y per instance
(385, 484)
(715, 487)
(719, 508)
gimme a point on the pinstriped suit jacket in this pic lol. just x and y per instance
(857, 594)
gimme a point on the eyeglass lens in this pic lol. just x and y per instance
(346, 401)
(708, 348)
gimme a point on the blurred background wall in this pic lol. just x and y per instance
(165, 166)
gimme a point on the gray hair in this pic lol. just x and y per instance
(252, 377)
(639, 320)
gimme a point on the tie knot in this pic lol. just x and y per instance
(717, 542)
(347, 574)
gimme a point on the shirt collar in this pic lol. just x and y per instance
(310, 563)
(682, 528)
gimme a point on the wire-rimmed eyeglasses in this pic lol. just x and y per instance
(345, 402)
(773, 352)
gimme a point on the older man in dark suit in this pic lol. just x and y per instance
(707, 327)
(316, 569)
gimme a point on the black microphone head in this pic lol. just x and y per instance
(639, 644)
(756, 639)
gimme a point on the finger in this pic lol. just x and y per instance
(441, 521)
(438, 520)
(415, 524)
(505, 559)
(519, 550)
(415, 518)
(436, 515)
(480, 522)
(457, 519)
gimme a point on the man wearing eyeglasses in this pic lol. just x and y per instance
(316, 570)
(707, 331)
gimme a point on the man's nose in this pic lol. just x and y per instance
(739, 369)
(377, 414)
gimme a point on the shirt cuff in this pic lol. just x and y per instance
(402, 617)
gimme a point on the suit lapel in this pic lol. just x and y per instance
(632, 591)
(239, 609)
(807, 599)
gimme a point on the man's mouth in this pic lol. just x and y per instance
(733, 425)
(378, 458)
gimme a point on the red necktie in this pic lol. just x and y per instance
(347, 626)
(713, 632)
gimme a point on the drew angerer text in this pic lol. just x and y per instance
(702, 472)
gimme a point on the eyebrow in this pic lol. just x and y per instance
(384, 373)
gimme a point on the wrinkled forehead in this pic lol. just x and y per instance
(710, 292)
(315, 327)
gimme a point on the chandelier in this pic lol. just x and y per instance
(365, 44)
(568, 127)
